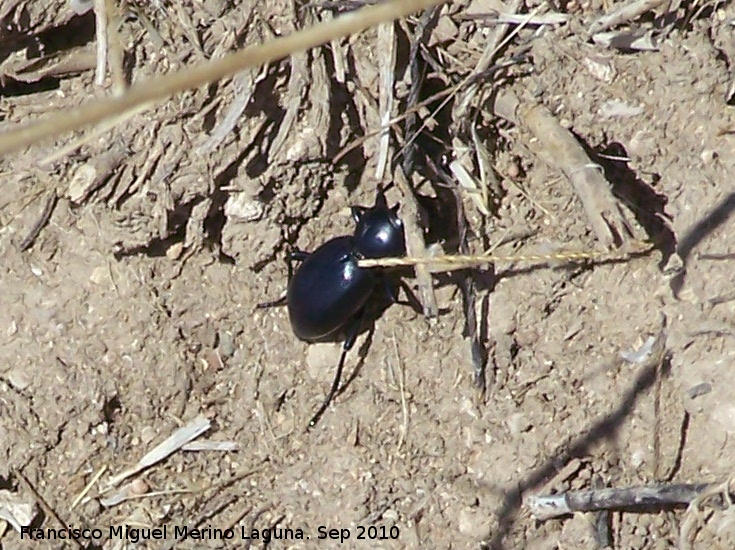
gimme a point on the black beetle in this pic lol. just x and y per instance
(328, 294)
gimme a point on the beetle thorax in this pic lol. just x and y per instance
(379, 233)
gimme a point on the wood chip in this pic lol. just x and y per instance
(173, 443)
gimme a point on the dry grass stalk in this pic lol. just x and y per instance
(223, 446)
(453, 262)
(88, 487)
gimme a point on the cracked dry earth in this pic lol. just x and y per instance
(134, 309)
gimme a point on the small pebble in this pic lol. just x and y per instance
(708, 156)
(227, 345)
(18, 378)
(321, 359)
(138, 487)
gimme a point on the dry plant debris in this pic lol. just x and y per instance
(560, 148)
(651, 499)
(159, 159)
(171, 444)
(149, 92)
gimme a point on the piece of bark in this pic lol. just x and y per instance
(543, 507)
(558, 147)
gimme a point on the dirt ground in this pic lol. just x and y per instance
(133, 310)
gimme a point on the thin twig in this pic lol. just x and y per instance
(552, 18)
(115, 53)
(415, 243)
(243, 89)
(544, 507)
(298, 81)
(623, 14)
(101, 21)
(559, 148)
(420, 37)
(43, 219)
(387, 67)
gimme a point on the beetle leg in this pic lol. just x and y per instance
(411, 300)
(346, 346)
(295, 255)
(273, 303)
(332, 390)
(354, 330)
(391, 290)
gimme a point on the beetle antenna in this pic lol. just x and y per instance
(332, 390)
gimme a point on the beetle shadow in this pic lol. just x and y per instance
(601, 430)
(447, 223)
(376, 308)
(644, 199)
(364, 321)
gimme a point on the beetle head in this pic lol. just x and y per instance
(379, 232)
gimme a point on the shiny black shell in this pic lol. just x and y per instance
(328, 290)
(379, 231)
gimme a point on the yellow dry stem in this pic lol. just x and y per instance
(468, 261)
